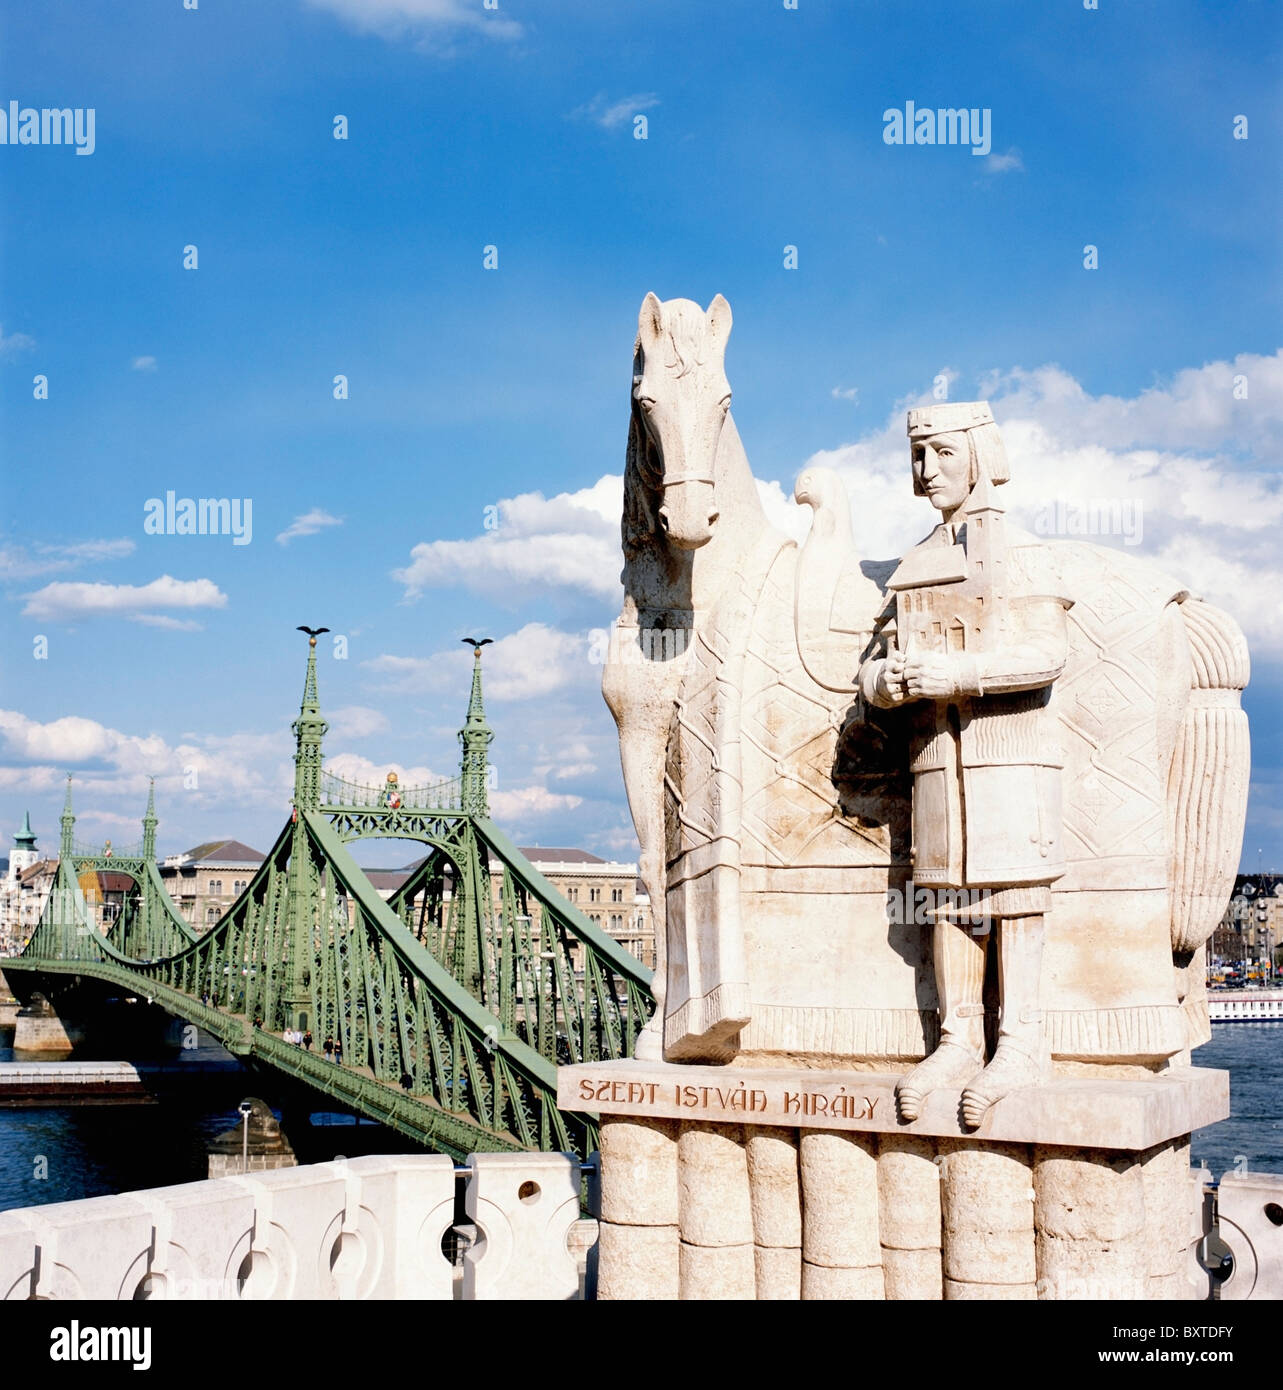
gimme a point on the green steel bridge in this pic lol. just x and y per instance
(453, 1009)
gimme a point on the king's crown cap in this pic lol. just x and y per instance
(948, 416)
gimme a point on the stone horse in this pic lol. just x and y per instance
(772, 809)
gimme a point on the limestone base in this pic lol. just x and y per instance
(702, 1209)
(44, 1032)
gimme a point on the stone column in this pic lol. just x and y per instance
(638, 1251)
(1090, 1214)
(987, 1216)
(776, 1201)
(909, 1217)
(715, 1216)
(1171, 1222)
(841, 1253)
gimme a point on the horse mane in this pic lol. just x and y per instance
(638, 523)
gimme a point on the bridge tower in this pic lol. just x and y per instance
(67, 826)
(476, 736)
(303, 890)
(150, 822)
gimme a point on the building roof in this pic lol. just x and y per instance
(1261, 885)
(221, 854)
(387, 879)
(544, 854)
(115, 882)
(41, 867)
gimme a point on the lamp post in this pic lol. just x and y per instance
(246, 1109)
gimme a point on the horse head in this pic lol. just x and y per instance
(680, 403)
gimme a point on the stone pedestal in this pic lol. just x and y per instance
(268, 1147)
(739, 1183)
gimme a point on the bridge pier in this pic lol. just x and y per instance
(38, 1027)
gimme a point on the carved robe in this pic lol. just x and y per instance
(986, 762)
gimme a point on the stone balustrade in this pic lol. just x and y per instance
(377, 1228)
(354, 1228)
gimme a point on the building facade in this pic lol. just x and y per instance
(607, 892)
(1250, 934)
(22, 857)
(207, 879)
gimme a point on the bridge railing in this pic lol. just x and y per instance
(440, 796)
(354, 1228)
(106, 849)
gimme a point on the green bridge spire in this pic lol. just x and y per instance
(149, 821)
(476, 736)
(309, 729)
(67, 821)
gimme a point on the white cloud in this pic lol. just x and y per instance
(73, 740)
(570, 541)
(1009, 163)
(846, 393)
(64, 601)
(1197, 466)
(165, 621)
(528, 664)
(16, 562)
(609, 114)
(198, 773)
(13, 343)
(143, 364)
(518, 807)
(427, 24)
(1196, 410)
(356, 721)
(308, 525)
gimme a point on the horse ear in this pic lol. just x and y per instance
(719, 319)
(650, 322)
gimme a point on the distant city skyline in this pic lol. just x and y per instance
(389, 371)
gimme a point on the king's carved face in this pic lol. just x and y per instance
(942, 468)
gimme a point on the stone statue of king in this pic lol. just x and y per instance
(974, 637)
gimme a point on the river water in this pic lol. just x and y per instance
(58, 1153)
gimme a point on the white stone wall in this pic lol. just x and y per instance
(355, 1228)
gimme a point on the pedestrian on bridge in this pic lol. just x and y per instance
(338, 1050)
(329, 1047)
(308, 1040)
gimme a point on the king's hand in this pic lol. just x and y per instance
(889, 684)
(937, 676)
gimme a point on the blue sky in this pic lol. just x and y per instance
(472, 388)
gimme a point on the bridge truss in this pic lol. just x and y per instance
(453, 1004)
